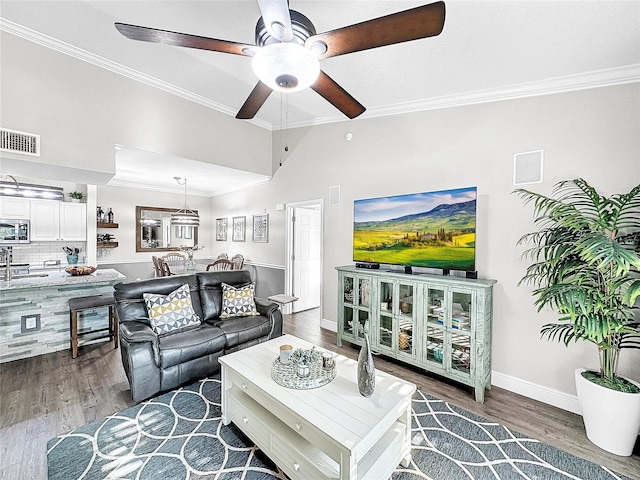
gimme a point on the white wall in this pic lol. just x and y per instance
(591, 134)
(123, 201)
(82, 112)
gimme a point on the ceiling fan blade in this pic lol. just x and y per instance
(154, 35)
(412, 24)
(277, 19)
(337, 96)
(256, 99)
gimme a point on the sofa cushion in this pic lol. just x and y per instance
(130, 300)
(191, 343)
(168, 313)
(239, 330)
(238, 301)
(210, 290)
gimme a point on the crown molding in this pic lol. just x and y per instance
(568, 83)
(80, 54)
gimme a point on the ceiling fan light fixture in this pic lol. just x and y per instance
(286, 67)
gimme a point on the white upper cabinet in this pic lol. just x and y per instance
(45, 220)
(73, 221)
(13, 207)
(54, 221)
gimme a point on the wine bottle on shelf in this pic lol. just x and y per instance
(100, 215)
(110, 216)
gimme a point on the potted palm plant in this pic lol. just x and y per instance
(585, 262)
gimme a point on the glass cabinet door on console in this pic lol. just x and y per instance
(435, 327)
(384, 339)
(405, 327)
(460, 355)
(448, 334)
(353, 320)
(396, 318)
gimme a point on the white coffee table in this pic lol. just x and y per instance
(327, 432)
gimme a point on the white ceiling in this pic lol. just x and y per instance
(487, 51)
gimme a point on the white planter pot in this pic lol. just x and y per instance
(611, 418)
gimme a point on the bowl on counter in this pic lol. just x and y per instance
(76, 270)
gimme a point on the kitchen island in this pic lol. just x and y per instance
(34, 311)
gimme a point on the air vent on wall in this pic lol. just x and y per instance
(19, 142)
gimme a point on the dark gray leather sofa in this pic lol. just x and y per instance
(155, 363)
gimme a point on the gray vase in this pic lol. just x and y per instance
(366, 370)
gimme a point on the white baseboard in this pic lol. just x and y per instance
(516, 385)
(537, 392)
(331, 325)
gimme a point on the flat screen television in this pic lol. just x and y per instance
(431, 229)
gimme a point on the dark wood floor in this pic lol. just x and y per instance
(45, 396)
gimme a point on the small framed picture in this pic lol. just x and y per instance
(239, 229)
(178, 231)
(221, 229)
(261, 228)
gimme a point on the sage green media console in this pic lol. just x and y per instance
(439, 323)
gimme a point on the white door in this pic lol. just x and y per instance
(306, 258)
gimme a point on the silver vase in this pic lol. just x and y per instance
(366, 370)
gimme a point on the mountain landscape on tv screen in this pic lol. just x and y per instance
(444, 237)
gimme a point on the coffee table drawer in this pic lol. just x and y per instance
(244, 413)
(295, 455)
(300, 459)
(290, 418)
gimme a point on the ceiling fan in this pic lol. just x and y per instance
(287, 49)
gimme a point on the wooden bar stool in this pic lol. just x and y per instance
(89, 303)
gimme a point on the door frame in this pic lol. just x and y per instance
(289, 248)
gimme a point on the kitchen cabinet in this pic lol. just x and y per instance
(15, 208)
(438, 323)
(73, 221)
(57, 221)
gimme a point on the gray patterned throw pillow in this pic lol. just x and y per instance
(168, 313)
(238, 302)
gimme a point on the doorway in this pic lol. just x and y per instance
(303, 264)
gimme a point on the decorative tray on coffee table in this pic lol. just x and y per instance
(287, 376)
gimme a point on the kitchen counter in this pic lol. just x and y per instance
(35, 311)
(47, 279)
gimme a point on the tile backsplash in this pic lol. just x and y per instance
(36, 253)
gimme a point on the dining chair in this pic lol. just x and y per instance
(222, 264)
(164, 268)
(157, 267)
(222, 256)
(238, 261)
(175, 259)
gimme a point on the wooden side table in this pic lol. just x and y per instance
(92, 302)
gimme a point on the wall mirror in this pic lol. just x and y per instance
(154, 232)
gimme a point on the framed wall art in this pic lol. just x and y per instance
(239, 229)
(261, 228)
(221, 229)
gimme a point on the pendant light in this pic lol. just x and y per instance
(185, 216)
(147, 220)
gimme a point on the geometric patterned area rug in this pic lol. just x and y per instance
(180, 435)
